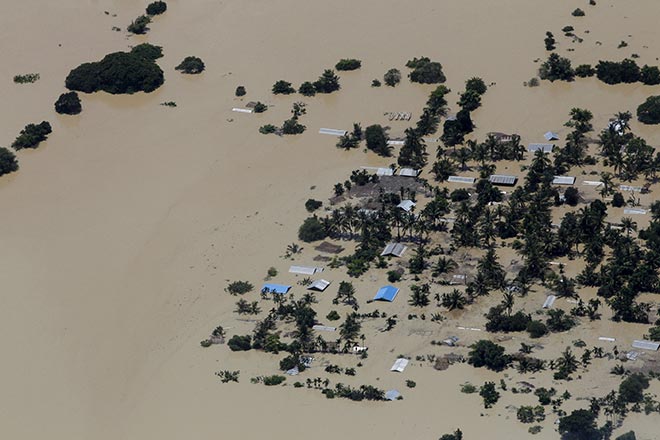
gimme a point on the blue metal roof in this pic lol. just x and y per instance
(275, 288)
(386, 293)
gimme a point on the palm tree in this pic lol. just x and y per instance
(607, 184)
(454, 300)
(443, 168)
(463, 155)
(628, 225)
(443, 265)
(419, 296)
(567, 363)
(508, 300)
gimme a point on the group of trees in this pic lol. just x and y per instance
(8, 162)
(68, 104)
(140, 24)
(191, 65)
(32, 135)
(425, 71)
(328, 82)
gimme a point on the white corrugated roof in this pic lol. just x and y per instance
(396, 249)
(406, 205)
(563, 180)
(549, 301)
(550, 136)
(400, 365)
(630, 188)
(395, 142)
(324, 328)
(646, 345)
(408, 172)
(634, 211)
(499, 179)
(460, 179)
(319, 285)
(305, 270)
(332, 132)
(242, 110)
(546, 148)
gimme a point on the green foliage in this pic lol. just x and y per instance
(228, 376)
(559, 321)
(411, 383)
(459, 195)
(260, 107)
(292, 126)
(68, 104)
(311, 230)
(531, 414)
(499, 321)
(611, 72)
(425, 71)
(312, 205)
(148, 51)
(650, 75)
(392, 77)
(413, 152)
(649, 111)
(305, 89)
(375, 83)
(545, 395)
(32, 135)
(585, 70)
(168, 104)
(393, 276)
(139, 25)
(333, 316)
(617, 200)
(579, 425)
(468, 388)
(328, 82)
(191, 65)
(239, 288)
(571, 196)
(632, 388)
(348, 64)
(556, 68)
(156, 8)
(267, 129)
(240, 343)
(377, 138)
(419, 295)
(273, 380)
(272, 272)
(549, 41)
(282, 87)
(489, 394)
(457, 435)
(476, 85)
(577, 13)
(630, 435)
(240, 91)
(8, 162)
(487, 354)
(116, 73)
(27, 78)
(537, 329)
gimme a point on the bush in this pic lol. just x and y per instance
(68, 104)
(571, 196)
(425, 71)
(311, 230)
(411, 383)
(392, 77)
(375, 83)
(611, 72)
(649, 75)
(617, 200)
(191, 65)
(585, 70)
(28, 78)
(260, 107)
(577, 13)
(649, 111)
(530, 414)
(498, 321)
(632, 388)
(32, 135)
(289, 362)
(8, 162)
(333, 316)
(630, 435)
(116, 73)
(139, 25)
(282, 87)
(148, 51)
(292, 126)
(239, 287)
(240, 91)
(393, 276)
(468, 388)
(537, 329)
(273, 380)
(306, 89)
(376, 139)
(328, 82)
(476, 85)
(240, 343)
(459, 195)
(489, 394)
(348, 64)
(267, 129)
(156, 8)
(487, 354)
(556, 68)
(312, 205)
(579, 425)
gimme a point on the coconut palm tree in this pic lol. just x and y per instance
(628, 225)
(463, 156)
(607, 184)
(443, 265)
(454, 300)
(508, 300)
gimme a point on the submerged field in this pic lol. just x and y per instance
(121, 231)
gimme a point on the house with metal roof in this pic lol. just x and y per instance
(319, 285)
(395, 249)
(646, 345)
(406, 205)
(546, 148)
(408, 172)
(275, 288)
(386, 293)
(332, 132)
(305, 270)
(461, 179)
(551, 136)
(549, 301)
(501, 179)
(563, 180)
(400, 365)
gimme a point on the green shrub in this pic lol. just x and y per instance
(282, 87)
(632, 388)
(273, 380)
(585, 70)
(68, 104)
(191, 65)
(630, 435)
(292, 126)
(312, 205)
(476, 85)
(267, 129)
(411, 383)
(328, 82)
(392, 77)
(311, 230)
(139, 25)
(333, 316)
(116, 73)
(425, 71)
(26, 78)
(240, 91)
(618, 200)
(556, 68)
(577, 13)
(240, 343)
(487, 354)
(8, 162)
(650, 75)
(459, 195)
(148, 51)
(156, 8)
(348, 64)
(468, 388)
(580, 424)
(375, 83)
(239, 287)
(571, 196)
(649, 111)
(393, 276)
(32, 135)
(306, 89)
(260, 107)
(272, 272)
(376, 139)
(611, 72)
(537, 329)
(489, 394)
